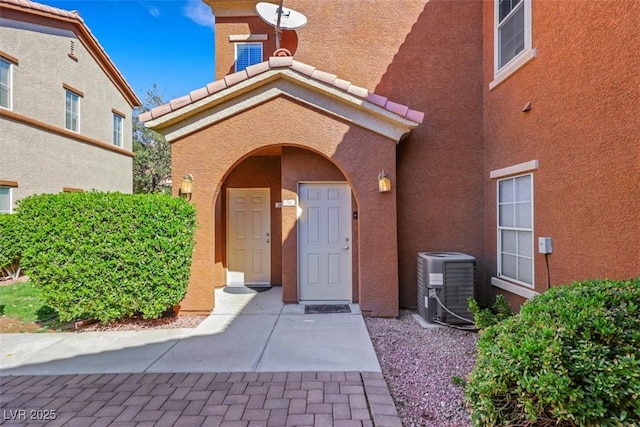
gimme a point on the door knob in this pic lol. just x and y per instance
(268, 238)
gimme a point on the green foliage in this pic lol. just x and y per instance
(108, 255)
(458, 381)
(9, 246)
(485, 317)
(23, 301)
(570, 357)
(152, 162)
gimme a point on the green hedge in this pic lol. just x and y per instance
(570, 357)
(9, 246)
(107, 255)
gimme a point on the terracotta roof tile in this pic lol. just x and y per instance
(324, 76)
(303, 68)
(416, 116)
(376, 99)
(280, 61)
(145, 117)
(254, 70)
(198, 94)
(216, 86)
(231, 79)
(342, 84)
(180, 102)
(358, 91)
(44, 8)
(161, 110)
(283, 62)
(39, 8)
(399, 109)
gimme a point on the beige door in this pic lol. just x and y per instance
(248, 237)
(324, 242)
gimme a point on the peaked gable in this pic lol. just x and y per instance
(282, 75)
(26, 10)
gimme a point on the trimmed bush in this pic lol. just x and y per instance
(485, 317)
(570, 357)
(108, 255)
(9, 246)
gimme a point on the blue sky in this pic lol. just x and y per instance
(170, 42)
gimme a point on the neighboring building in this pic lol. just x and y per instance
(285, 153)
(65, 109)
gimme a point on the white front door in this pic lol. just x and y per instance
(248, 236)
(324, 242)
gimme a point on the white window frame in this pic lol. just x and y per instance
(10, 199)
(69, 113)
(246, 44)
(8, 84)
(501, 73)
(118, 129)
(500, 229)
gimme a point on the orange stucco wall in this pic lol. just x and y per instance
(425, 54)
(584, 89)
(437, 57)
(215, 156)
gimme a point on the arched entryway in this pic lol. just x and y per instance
(319, 132)
(324, 203)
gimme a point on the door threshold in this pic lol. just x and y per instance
(325, 302)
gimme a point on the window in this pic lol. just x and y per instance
(248, 54)
(72, 111)
(512, 38)
(5, 200)
(5, 84)
(515, 229)
(118, 121)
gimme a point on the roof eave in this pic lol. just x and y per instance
(274, 83)
(93, 46)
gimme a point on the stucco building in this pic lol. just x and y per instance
(65, 109)
(471, 108)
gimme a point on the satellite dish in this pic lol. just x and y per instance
(280, 17)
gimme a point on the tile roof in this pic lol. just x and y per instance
(73, 15)
(276, 62)
(44, 8)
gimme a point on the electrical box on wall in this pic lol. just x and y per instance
(545, 246)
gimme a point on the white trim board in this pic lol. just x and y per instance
(515, 169)
(514, 289)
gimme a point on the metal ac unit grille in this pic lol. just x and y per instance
(459, 281)
(422, 288)
(448, 277)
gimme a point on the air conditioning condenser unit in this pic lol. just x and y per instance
(445, 279)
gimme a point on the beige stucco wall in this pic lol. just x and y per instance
(43, 161)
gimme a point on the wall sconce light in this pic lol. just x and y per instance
(384, 183)
(186, 187)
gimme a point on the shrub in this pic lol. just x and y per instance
(9, 246)
(108, 255)
(485, 317)
(570, 357)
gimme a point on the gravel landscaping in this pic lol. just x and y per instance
(419, 366)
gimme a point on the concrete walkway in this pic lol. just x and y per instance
(253, 362)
